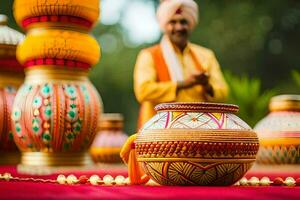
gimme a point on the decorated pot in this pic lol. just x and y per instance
(279, 132)
(196, 144)
(11, 77)
(109, 139)
(56, 110)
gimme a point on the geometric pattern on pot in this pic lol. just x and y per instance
(195, 120)
(181, 144)
(279, 154)
(194, 173)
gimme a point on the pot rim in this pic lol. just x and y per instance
(198, 107)
(286, 102)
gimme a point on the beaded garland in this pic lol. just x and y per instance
(265, 181)
(72, 179)
(119, 180)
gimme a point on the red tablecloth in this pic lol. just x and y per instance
(31, 190)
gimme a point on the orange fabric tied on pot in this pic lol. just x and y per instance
(128, 155)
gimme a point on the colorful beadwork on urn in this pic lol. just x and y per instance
(56, 110)
(196, 144)
(279, 132)
(11, 77)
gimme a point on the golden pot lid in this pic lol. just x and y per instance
(111, 121)
(285, 103)
(9, 38)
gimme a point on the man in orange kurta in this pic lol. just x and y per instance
(176, 70)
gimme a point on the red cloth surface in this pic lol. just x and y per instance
(31, 190)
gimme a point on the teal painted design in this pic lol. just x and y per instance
(77, 127)
(85, 93)
(46, 90)
(70, 137)
(16, 114)
(10, 136)
(71, 92)
(26, 88)
(83, 88)
(37, 102)
(36, 126)
(46, 137)
(72, 115)
(47, 112)
(10, 89)
(18, 129)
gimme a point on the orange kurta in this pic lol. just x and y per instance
(152, 83)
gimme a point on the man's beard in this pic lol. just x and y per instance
(180, 38)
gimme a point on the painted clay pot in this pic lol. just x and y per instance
(109, 139)
(11, 77)
(56, 110)
(279, 132)
(196, 144)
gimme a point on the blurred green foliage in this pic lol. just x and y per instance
(247, 93)
(296, 77)
(252, 37)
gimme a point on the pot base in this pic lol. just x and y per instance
(38, 163)
(191, 173)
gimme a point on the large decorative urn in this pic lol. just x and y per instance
(109, 139)
(196, 144)
(11, 77)
(56, 110)
(279, 132)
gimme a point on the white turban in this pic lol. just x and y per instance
(168, 8)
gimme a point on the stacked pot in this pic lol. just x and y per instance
(56, 110)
